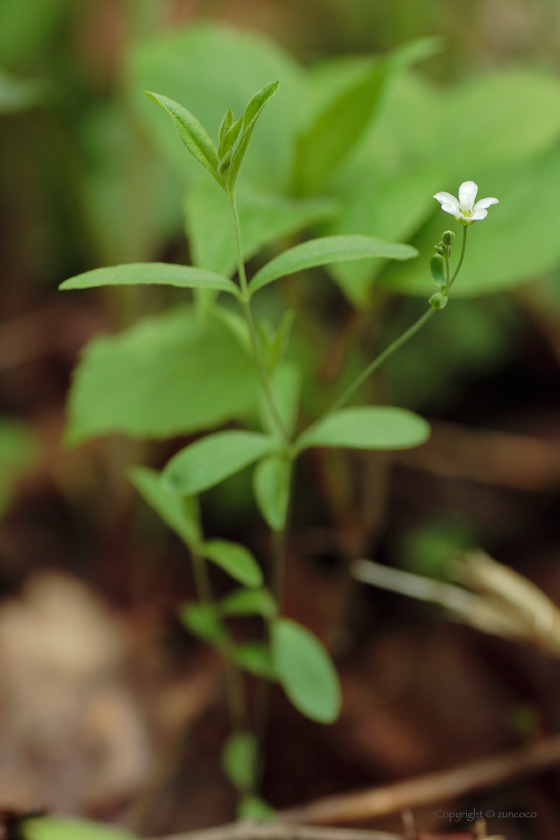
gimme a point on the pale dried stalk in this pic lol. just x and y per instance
(248, 830)
(429, 789)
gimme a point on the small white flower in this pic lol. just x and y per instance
(465, 210)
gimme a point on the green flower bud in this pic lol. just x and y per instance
(437, 267)
(438, 301)
(448, 238)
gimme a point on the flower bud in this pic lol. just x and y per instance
(438, 301)
(448, 238)
(438, 270)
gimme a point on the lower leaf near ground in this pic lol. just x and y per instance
(305, 670)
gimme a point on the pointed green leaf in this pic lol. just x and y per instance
(225, 126)
(167, 274)
(368, 427)
(228, 141)
(209, 461)
(336, 130)
(191, 133)
(70, 828)
(249, 602)
(236, 560)
(341, 123)
(256, 658)
(250, 117)
(239, 760)
(180, 513)
(203, 620)
(271, 483)
(329, 249)
(306, 671)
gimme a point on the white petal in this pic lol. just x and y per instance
(484, 203)
(467, 194)
(479, 214)
(447, 200)
(454, 209)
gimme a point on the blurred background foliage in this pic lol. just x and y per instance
(92, 174)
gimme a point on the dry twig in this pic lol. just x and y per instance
(247, 830)
(432, 788)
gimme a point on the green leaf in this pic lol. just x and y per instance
(204, 622)
(328, 249)
(337, 128)
(225, 126)
(256, 658)
(368, 427)
(305, 671)
(168, 375)
(341, 122)
(180, 513)
(271, 483)
(255, 808)
(239, 760)
(236, 560)
(209, 461)
(191, 133)
(68, 828)
(264, 219)
(250, 117)
(167, 274)
(225, 151)
(249, 602)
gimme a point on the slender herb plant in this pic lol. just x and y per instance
(288, 653)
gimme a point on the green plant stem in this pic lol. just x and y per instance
(462, 257)
(201, 578)
(447, 273)
(263, 375)
(234, 677)
(373, 366)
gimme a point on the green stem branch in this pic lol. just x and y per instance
(263, 375)
(462, 257)
(373, 366)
